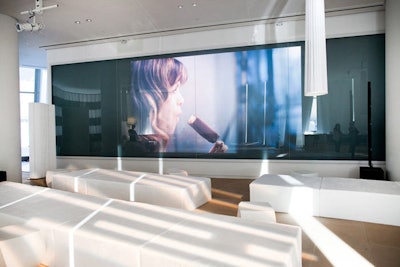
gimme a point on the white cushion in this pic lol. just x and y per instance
(259, 211)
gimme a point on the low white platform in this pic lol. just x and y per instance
(257, 211)
(175, 171)
(305, 173)
(360, 200)
(178, 191)
(287, 193)
(80, 230)
(344, 198)
(17, 238)
(51, 173)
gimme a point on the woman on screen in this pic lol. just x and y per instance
(157, 101)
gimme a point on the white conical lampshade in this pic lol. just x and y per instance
(316, 78)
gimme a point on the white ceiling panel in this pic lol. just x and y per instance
(115, 18)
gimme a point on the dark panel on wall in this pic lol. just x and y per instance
(352, 63)
(76, 131)
(109, 110)
(90, 86)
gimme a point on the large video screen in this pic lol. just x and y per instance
(216, 103)
(243, 102)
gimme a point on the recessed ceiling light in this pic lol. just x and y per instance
(194, 4)
(89, 20)
(180, 6)
(77, 22)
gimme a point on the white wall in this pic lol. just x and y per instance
(392, 89)
(247, 34)
(10, 135)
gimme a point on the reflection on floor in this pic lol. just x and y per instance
(373, 243)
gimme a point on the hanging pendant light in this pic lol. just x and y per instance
(316, 78)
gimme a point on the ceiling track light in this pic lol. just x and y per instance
(30, 24)
(29, 27)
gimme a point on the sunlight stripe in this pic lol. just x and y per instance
(76, 227)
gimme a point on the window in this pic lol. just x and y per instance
(32, 81)
(313, 124)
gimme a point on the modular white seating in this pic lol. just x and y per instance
(178, 191)
(344, 198)
(287, 193)
(259, 211)
(16, 238)
(81, 230)
(50, 173)
(373, 201)
(175, 171)
(305, 173)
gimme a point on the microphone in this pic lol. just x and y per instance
(203, 129)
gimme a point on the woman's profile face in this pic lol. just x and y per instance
(170, 110)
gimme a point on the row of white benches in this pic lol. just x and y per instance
(97, 228)
(372, 201)
(60, 228)
(177, 191)
(355, 199)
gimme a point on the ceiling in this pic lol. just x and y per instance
(105, 19)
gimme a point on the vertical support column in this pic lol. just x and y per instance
(42, 142)
(392, 89)
(10, 135)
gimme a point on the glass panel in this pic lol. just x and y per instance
(27, 79)
(25, 99)
(43, 90)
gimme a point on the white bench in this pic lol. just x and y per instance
(51, 173)
(287, 193)
(344, 198)
(16, 238)
(305, 173)
(258, 211)
(373, 201)
(81, 230)
(178, 191)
